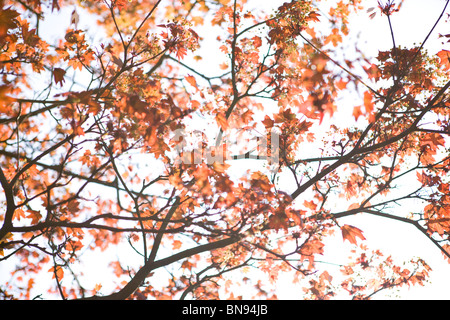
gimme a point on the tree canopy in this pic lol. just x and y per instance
(201, 149)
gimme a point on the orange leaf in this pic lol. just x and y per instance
(354, 206)
(357, 112)
(191, 81)
(368, 104)
(444, 55)
(223, 66)
(195, 104)
(350, 233)
(18, 214)
(341, 84)
(35, 216)
(176, 244)
(222, 120)
(59, 272)
(257, 41)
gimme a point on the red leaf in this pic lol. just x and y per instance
(350, 233)
(268, 123)
(181, 52)
(314, 16)
(58, 74)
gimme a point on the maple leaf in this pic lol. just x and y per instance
(350, 233)
(73, 206)
(341, 84)
(257, 41)
(58, 75)
(35, 216)
(268, 123)
(7, 20)
(19, 213)
(181, 52)
(314, 16)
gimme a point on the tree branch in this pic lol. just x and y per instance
(140, 276)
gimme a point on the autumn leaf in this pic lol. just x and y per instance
(354, 206)
(341, 84)
(181, 53)
(350, 233)
(58, 75)
(191, 81)
(35, 216)
(176, 244)
(368, 104)
(19, 213)
(278, 221)
(73, 206)
(57, 271)
(268, 123)
(444, 56)
(257, 41)
(357, 112)
(222, 121)
(7, 20)
(314, 16)
(55, 5)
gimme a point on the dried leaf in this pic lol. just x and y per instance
(58, 75)
(350, 233)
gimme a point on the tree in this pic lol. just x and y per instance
(102, 152)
